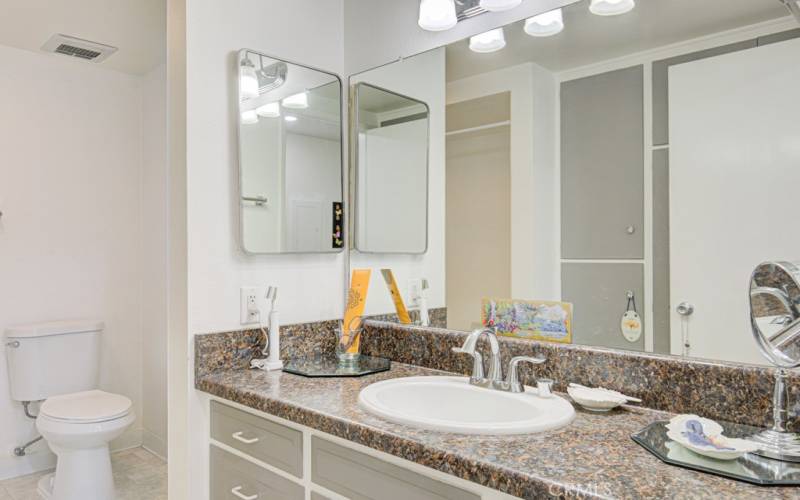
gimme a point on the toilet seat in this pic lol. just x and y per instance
(86, 407)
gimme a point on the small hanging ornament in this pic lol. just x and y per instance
(631, 323)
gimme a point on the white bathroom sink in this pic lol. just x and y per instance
(451, 404)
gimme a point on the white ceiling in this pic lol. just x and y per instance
(136, 27)
(588, 38)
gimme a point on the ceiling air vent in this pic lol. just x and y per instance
(75, 47)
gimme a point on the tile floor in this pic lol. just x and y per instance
(138, 475)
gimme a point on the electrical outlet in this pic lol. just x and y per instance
(250, 305)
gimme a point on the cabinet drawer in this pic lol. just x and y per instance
(362, 477)
(233, 478)
(267, 441)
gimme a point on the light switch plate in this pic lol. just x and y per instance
(250, 304)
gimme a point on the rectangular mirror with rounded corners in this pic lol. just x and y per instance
(637, 167)
(290, 157)
(391, 171)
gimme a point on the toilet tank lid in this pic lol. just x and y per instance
(53, 328)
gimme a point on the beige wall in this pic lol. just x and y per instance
(478, 243)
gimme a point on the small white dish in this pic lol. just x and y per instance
(599, 400)
(608, 391)
(704, 437)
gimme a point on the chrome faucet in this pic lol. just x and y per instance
(495, 379)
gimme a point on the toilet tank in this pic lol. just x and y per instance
(49, 359)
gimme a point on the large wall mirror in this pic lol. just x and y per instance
(391, 171)
(637, 167)
(290, 157)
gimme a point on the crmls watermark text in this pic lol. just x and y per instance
(579, 491)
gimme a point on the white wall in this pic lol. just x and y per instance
(313, 177)
(423, 78)
(311, 286)
(70, 238)
(307, 33)
(154, 261)
(393, 193)
(262, 156)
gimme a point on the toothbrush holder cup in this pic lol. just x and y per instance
(348, 342)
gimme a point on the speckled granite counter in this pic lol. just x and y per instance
(593, 457)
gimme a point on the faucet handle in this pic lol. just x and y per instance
(477, 362)
(514, 385)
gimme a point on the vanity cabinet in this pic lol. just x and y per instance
(273, 464)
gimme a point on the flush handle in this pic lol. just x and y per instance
(13, 345)
(237, 491)
(239, 436)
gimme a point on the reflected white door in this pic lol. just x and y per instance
(734, 188)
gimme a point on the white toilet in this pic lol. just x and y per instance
(59, 362)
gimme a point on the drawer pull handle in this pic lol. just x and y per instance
(238, 492)
(239, 437)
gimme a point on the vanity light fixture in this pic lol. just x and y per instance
(611, 7)
(249, 117)
(269, 110)
(437, 15)
(297, 101)
(248, 80)
(547, 24)
(490, 41)
(291, 118)
(499, 5)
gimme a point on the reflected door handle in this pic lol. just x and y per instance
(685, 309)
(237, 491)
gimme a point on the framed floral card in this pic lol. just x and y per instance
(529, 319)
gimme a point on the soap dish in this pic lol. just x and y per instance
(704, 436)
(598, 399)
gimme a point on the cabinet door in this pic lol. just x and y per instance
(359, 476)
(598, 294)
(262, 439)
(233, 478)
(602, 166)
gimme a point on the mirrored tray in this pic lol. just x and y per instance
(330, 366)
(749, 468)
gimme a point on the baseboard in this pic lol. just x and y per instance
(35, 461)
(154, 444)
(131, 438)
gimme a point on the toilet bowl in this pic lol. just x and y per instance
(78, 428)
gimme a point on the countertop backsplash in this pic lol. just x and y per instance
(723, 391)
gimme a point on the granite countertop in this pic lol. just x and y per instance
(593, 457)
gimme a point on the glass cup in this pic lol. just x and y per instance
(348, 343)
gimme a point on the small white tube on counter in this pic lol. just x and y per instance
(422, 303)
(274, 360)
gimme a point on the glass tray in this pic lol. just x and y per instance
(749, 468)
(329, 366)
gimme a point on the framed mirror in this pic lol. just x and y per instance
(391, 171)
(599, 180)
(290, 157)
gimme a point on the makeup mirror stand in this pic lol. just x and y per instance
(778, 442)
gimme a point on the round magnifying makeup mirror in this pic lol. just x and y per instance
(775, 320)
